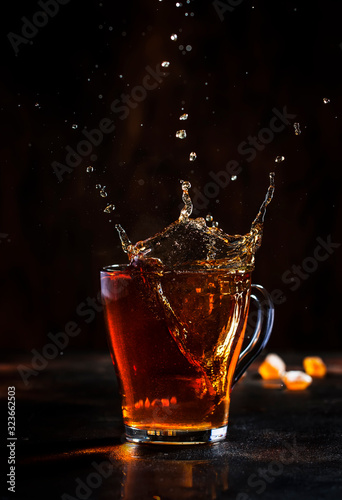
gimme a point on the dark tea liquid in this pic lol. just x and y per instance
(175, 338)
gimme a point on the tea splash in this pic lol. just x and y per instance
(194, 277)
(190, 243)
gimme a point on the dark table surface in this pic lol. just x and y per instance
(70, 441)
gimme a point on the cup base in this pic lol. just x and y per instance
(176, 437)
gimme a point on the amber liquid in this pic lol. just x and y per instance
(175, 338)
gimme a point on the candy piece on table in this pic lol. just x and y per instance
(272, 367)
(296, 380)
(314, 366)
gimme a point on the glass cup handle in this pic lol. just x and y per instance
(262, 330)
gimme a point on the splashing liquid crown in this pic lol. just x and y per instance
(190, 244)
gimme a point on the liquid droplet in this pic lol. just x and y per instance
(184, 116)
(181, 134)
(192, 156)
(90, 169)
(74, 126)
(125, 241)
(185, 185)
(165, 64)
(37, 105)
(173, 36)
(187, 209)
(209, 218)
(103, 193)
(261, 214)
(279, 159)
(178, 4)
(326, 100)
(214, 224)
(188, 48)
(98, 186)
(296, 127)
(233, 177)
(109, 209)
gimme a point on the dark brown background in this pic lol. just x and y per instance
(58, 236)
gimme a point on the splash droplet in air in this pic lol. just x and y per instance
(98, 186)
(103, 193)
(181, 134)
(90, 169)
(279, 159)
(326, 100)
(165, 64)
(233, 177)
(209, 218)
(192, 156)
(296, 127)
(184, 116)
(125, 241)
(187, 209)
(109, 209)
(173, 37)
(74, 126)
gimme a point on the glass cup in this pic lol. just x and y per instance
(176, 342)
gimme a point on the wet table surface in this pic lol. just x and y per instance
(70, 442)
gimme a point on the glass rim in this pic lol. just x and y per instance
(114, 267)
(123, 267)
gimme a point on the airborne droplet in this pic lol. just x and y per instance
(165, 64)
(109, 209)
(184, 116)
(173, 36)
(192, 156)
(74, 126)
(103, 193)
(296, 127)
(326, 100)
(279, 159)
(233, 177)
(188, 206)
(181, 134)
(185, 185)
(90, 169)
(98, 186)
(209, 218)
